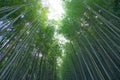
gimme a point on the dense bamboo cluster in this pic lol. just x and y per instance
(30, 51)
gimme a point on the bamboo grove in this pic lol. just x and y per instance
(29, 49)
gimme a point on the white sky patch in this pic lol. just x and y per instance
(59, 61)
(35, 53)
(40, 55)
(60, 37)
(56, 10)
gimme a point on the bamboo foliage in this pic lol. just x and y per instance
(29, 51)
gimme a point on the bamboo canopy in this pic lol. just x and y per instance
(59, 39)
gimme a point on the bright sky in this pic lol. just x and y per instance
(56, 10)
